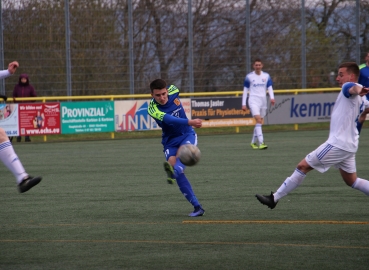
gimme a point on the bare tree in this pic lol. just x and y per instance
(34, 34)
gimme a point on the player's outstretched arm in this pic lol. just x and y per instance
(357, 89)
(12, 67)
(197, 123)
(364, 91)
(169, 119)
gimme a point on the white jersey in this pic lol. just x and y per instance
(257, 85)
(343, 132)
(4, 73)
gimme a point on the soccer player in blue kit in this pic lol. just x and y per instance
(364, 73)
(167, 110)
(364, 81)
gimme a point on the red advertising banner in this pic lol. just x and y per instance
(39, 118)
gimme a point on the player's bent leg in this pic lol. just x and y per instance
(179, 167)
(290, 184)
(169, 169)
(170, 173)
(355, 182)
(3, 136)
(362, 185)
(349, 178)
(12, 162)
(173, 170)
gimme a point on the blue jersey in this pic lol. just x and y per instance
(171, 117)
(364, 76)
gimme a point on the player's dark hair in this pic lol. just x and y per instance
(351, 67)
(257, 60)
(158, 84)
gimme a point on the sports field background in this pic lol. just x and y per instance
(106, 205)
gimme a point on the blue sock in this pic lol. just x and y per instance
(186, 189)
(178, 168)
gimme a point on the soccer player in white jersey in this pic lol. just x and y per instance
(256, 84)
(341, 146)
(7, 153)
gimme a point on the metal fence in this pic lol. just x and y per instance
(100, 47)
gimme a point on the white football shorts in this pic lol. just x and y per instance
(258, 105)
(326, 155)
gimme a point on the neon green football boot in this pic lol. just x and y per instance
(254, 146)
(263, 146)
(170, 173)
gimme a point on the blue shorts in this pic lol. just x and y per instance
(171, 146)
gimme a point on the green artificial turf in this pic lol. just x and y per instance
(105, 204)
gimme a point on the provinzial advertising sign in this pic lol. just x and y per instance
(221, 112)
(89, 116)
(39, 118)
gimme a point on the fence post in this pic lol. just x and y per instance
(67, 48)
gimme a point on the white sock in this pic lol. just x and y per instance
(259, 133)
(362, 185)
(11, 161)
(289, 184)
(254, 136)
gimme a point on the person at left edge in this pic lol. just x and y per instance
(7, 153)
(166, 109)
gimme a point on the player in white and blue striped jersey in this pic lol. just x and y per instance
(255, 87)
(7, 153)
(341, 146)
(167, 110)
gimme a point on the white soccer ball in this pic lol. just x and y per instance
(189, 154)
